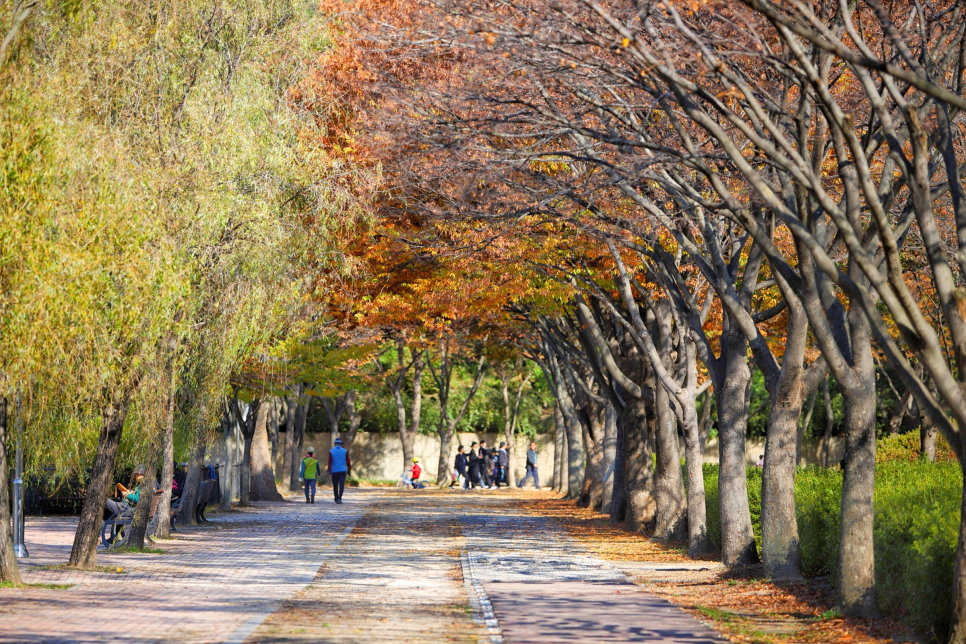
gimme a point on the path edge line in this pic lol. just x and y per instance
(250, 625)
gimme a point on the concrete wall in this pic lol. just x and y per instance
(379, 456)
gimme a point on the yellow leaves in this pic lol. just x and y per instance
(731, 93)
(625, 43)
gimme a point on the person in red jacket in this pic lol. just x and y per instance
(416, 471)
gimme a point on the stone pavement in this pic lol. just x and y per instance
(543, 586)
(211, 585)
(387, 566)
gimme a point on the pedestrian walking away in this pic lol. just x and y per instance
(461, 465)
(531, 467)
(486, 462)
(474, 460)
(339, 467)
(502, 465)
(309, 474)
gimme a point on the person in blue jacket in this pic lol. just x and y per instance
(339, 467)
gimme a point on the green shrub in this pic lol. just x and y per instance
(917, 507)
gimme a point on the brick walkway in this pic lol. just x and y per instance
(387, 566)
(211, 581)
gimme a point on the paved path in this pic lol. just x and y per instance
(386, 566)
(212, 585)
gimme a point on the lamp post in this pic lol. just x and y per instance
(19, 549)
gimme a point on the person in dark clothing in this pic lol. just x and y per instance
(461, 465)
(474, 461)
(485, 465)
(502, 465)
(179, 478)
(531, 467)
(339, 468)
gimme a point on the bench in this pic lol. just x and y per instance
(205, 492)
(114, 529)
(66, 503)
(205, 489)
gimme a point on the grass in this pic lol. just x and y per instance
(144, 550)
(63, 566)
(832, 613)
(719, 615)
(10, 584)
(354, 482)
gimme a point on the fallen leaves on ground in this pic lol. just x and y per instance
(737, 602)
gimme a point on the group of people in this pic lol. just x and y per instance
(126, 498)
(338, 468)
(489, 468)
(482, 467)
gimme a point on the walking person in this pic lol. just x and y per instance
(474, 460)
(485, 464)
(502, 465)
(461, 465)
(531, 467)
(339, 467)
(309, 474)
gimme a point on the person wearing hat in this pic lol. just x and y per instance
(416, 471)
(309, 474)
(339, 467)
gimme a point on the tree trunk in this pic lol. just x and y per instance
(829, 422)
(511, 478)
(576, 458)
(803, 425)
(162, 527)
(559, 447)
(291, 409)
(732, 397)
(856, 554)
(228, 492)
(699, 543)
(610, 457)
(446, 446)
(404, 437)
(576, 454)
(670, 520)
(245, 473)
(272, 427)
(927, 438)
(262, 476)
(84, 551)
(779, 524)
(638, 467)
(704, 425)
(416, 410)
(355, 419)
(593, 487)
(298, 439)
(618, 500)
(192, 482)
(9, 569)
(142, 512)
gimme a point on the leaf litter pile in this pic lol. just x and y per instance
(737, 602)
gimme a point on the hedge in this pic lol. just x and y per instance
(917, 507)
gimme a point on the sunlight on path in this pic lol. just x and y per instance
(209, 582)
